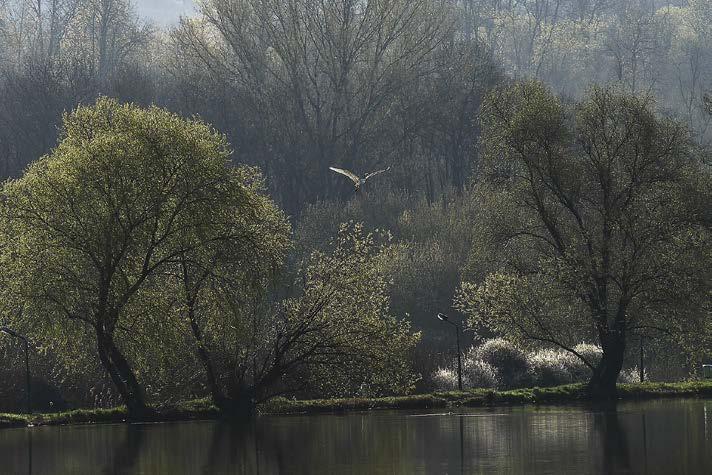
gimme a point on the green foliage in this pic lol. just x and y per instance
(430, 243)
(570, 393)
(332, 333)
(202, 409)
(93, 230)
(12, 420)
(587, 225)
(344, 339)
(137, 238)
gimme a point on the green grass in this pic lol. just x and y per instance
(571, 393)
(470, 398)
(13, 420)
(199, 409)
(657, 390)
(203, 409)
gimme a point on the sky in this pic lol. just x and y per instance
(164, 12)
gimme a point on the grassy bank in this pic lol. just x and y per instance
(203, 410)
(571, 393)
(200, 409)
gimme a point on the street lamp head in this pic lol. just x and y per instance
(442, 317)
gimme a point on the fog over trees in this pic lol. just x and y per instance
(548, 159)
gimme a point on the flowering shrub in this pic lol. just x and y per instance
(479, 374)
(551, 367)
(445, 379)
(580, 373)
(508, 359)
(498, 363)
(631, 375)
(592, 353)
(475, 374)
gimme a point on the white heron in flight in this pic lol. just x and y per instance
(358, 181)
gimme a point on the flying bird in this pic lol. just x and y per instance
(358, 181)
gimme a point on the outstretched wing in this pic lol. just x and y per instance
(372, 174)
(347, 173)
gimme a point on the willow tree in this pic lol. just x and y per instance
(588, 226)
(93, 228)
(219, 281)
(332, 336)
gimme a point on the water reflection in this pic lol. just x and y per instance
(462, 444)
(126, 454)
(654, 437)
(615, 454)
(29, 452)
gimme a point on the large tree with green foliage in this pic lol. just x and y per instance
(332, 334)
(219, 283)
(93, 229)
(592, 226)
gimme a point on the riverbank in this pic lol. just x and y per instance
(203, 410)
(200, 409)
(572, 393)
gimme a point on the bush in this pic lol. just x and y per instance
(554, 367)
(445, 379)
(509, 361)
(479, 374)
(630, 375)
(592, 353)
(581, 373)
(557, 367)
(498, 364)
(551, 367)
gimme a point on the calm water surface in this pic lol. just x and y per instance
(665, 437)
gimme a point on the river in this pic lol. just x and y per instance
(656, 437)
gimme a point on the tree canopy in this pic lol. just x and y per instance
(332, 335)
(588, 226)
(93, 228)
(138, 237)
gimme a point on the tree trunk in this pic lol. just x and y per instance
(215, 390)
(122, 376)
(603, 381)
(210, 374)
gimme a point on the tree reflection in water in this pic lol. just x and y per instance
(29, 451)
(127, 453)
(654, 437)
(615, 452)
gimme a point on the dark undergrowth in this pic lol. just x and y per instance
(203, 409)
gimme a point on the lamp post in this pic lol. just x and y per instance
(642, 361)
(444, 318)
(14, 334)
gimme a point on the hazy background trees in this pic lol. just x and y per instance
(302, 85)
(647, 46)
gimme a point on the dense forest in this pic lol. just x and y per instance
(548, 186)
